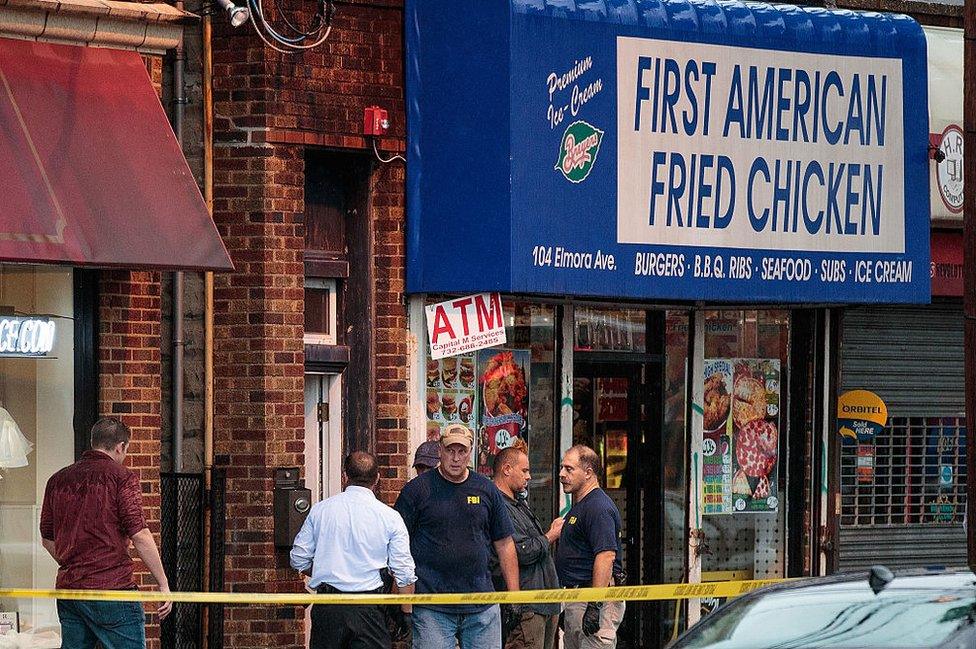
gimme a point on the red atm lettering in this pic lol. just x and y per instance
(442, 325)
(489, 313)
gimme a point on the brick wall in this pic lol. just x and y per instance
(268, 107)
(129, 384)
(259, 374)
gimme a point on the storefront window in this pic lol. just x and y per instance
(744, 444)
(37, 397)
(505, 394)
(610, 330)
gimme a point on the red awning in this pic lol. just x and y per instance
(90, 170)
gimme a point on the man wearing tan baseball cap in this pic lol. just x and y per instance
(454, 517)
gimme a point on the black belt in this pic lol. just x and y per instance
(326, 589)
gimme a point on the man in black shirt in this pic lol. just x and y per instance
(589, 552)
(531, 626)
(454, 516)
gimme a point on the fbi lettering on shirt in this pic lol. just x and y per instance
(474, 500)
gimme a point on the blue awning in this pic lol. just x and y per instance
(648, 149)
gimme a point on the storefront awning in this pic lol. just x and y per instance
(667, 150)
(90, 169)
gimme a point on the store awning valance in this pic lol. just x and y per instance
(91, 172)
(667, 150)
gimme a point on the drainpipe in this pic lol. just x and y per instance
(208, 278)
(969, 271)
(179, 101)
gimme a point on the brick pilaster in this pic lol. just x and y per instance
(129, 384)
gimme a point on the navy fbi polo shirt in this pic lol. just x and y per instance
(591, 526)
(452, 527)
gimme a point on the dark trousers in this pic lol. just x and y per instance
(337, 626)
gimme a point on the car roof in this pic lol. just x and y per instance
(952, 579)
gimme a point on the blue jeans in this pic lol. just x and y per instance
(117, 625)
(438, 630)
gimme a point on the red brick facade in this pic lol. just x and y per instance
(268, 108)
(129, 383)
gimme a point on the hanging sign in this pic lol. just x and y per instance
(692, 155)
(465, 324)
(26, 336)
(861, 416)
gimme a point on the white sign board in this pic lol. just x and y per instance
(797, 152)
(465, 324)
(945, 54)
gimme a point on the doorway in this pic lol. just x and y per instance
(323, 435)
(612, 402)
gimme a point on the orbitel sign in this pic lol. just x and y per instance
(465, 324)
(745, 154)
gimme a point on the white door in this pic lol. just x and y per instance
(323, 435)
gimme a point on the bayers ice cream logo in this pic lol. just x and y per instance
(578, 151)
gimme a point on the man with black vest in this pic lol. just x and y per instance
(531, 626)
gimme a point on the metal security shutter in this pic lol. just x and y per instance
(909, 356)
(906, 516)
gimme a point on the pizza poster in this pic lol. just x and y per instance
(740, 435)
(451, 389)
(503, 403)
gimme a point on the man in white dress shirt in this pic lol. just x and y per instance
(344, 544)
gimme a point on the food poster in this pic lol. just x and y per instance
(451, 389)
(503, 403)
(740, 437)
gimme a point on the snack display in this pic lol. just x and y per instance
(433, 403)
(717, 402)
(741, 435)
(504, 386)
(467, 372)
(449, 399)
(464, 410)
(750, 401)
(449, 371)
(433, 374)
(757, 448)
(503, 402)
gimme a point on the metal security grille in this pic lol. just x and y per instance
(182, 555)
(919, 475)
(218, 514)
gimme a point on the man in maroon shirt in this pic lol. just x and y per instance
(92, 511)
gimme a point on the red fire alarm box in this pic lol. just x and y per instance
(375, 122)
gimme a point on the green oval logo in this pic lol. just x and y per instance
(578, 150)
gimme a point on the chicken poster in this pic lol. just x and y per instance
(503, 403)
(740, 436)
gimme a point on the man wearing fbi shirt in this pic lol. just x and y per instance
(454, 517)
(589, 553)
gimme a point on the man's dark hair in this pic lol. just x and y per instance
(361, 469)
(506, 456)
(588, 459)
(109, 432)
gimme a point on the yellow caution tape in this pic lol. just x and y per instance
(616, 593)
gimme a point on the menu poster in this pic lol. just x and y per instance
(503, 403)
(451, 391)
(740, 437)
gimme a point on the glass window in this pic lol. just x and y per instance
(505, 394)
(610, 330)
(320, 311)
(38, 395)
(743, 446)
